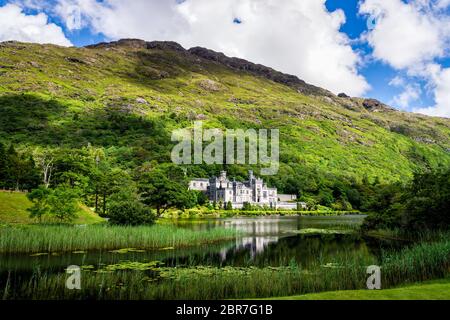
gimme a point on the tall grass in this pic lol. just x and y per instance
(420, 262)
(36, 239)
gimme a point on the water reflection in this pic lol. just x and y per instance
(267, 242)
(264, 231)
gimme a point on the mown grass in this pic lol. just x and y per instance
(137, 281)
(14, 205)
(432, 290)
(65, 238)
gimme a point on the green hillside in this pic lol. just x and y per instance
(127, 97)
(14, 205)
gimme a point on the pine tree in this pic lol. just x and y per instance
(3, 162)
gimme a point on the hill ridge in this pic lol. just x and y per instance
(234, 63)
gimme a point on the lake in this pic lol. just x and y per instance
(267, 241)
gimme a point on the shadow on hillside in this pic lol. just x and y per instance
(27, 118)
(154, 68)
(26, 115)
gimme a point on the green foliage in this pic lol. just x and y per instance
(3, 166)
(63, 203)
(125, 208)
(427, 201)
(166, 187)
(17, 170)
(41, 207)
(14, 211)
(60, 203)
(202, 199)
(229, 206)
(420, 205)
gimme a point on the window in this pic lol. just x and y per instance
(195, 184)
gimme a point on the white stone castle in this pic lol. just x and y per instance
(254, 191)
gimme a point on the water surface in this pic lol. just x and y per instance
(268, 241)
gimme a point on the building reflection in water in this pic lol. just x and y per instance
(260, 233)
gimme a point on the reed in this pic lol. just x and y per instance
(64, 238)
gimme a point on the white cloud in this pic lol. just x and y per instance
(411, 92)
(16, 25)
(411, 36)
(404, 35)
(442, 96)
(299, 37)
(397, 82)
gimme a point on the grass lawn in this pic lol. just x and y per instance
(14, 205)
(432, 290)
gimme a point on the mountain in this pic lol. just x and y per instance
(127, 97)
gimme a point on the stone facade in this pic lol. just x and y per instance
(253, 191)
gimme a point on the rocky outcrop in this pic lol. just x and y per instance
(374, 105)
(210, 85)
(130, 43)
(165, 45)
(258, 70)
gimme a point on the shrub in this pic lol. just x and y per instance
(61, 203)
(126, 209)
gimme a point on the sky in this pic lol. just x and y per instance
(396, 51)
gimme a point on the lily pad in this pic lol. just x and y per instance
(321, 231)
(39, 254)
(126, 250)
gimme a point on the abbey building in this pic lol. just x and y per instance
(253, 191)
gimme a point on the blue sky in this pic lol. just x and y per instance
(401, 60)
(377, 73)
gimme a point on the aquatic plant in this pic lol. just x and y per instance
(45, 239)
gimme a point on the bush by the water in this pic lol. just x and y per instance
(126, 209)
(422, 204)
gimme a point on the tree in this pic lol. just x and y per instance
(423, 204)
(3, 166)
(20, 170)
(229, 206)
(60, 203)
(63, 202)
(166, 187)
(41, 207)
(426, 201)
(15, 170)
(45, 160)
(125, 208)
(202, 198)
